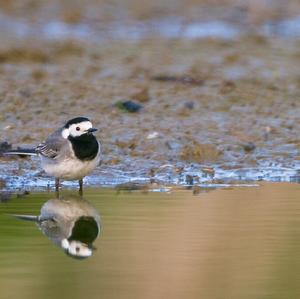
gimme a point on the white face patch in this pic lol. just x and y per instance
(76, 248)
(65, 244)
(76, 130)
(65, 133)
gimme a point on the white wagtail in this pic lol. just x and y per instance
(70, 153)
(71, 223)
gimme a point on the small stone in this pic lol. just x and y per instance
(172, 145)
(189, 105)
(153, 135)
(249, 147)
(129, 106)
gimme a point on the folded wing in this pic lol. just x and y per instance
(52, 146)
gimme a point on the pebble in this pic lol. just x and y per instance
(173, 145)
(153, 135)
(129, 106)
(249, 147)
(189, 105)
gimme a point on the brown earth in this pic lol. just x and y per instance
(234, 102)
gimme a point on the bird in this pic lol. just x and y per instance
(72, 223)
(69, 153)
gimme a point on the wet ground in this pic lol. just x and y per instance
(228, 243)
(218, 88)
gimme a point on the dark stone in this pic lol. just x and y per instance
(189, 105)
(249, 147)
(129, 106)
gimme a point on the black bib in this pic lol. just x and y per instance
(85, 146)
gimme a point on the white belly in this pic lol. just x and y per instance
(69, 169)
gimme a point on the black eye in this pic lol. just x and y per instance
(77, 129)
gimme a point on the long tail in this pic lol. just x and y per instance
(27, 217)
(21, 152)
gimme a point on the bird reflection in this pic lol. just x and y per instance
(72, 223)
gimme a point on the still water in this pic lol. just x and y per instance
(241, 242)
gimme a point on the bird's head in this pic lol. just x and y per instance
(77, 127)
(76, 249)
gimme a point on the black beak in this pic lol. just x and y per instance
(91, 130)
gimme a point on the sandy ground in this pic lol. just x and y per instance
(230, 103)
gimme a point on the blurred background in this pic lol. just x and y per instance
(208, 89)
(137, 19)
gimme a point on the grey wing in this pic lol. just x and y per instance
(52, 146)
(52, 230)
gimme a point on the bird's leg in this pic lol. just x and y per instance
(80, 187)
(57, 187)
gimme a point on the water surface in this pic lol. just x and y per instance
(240, 242)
